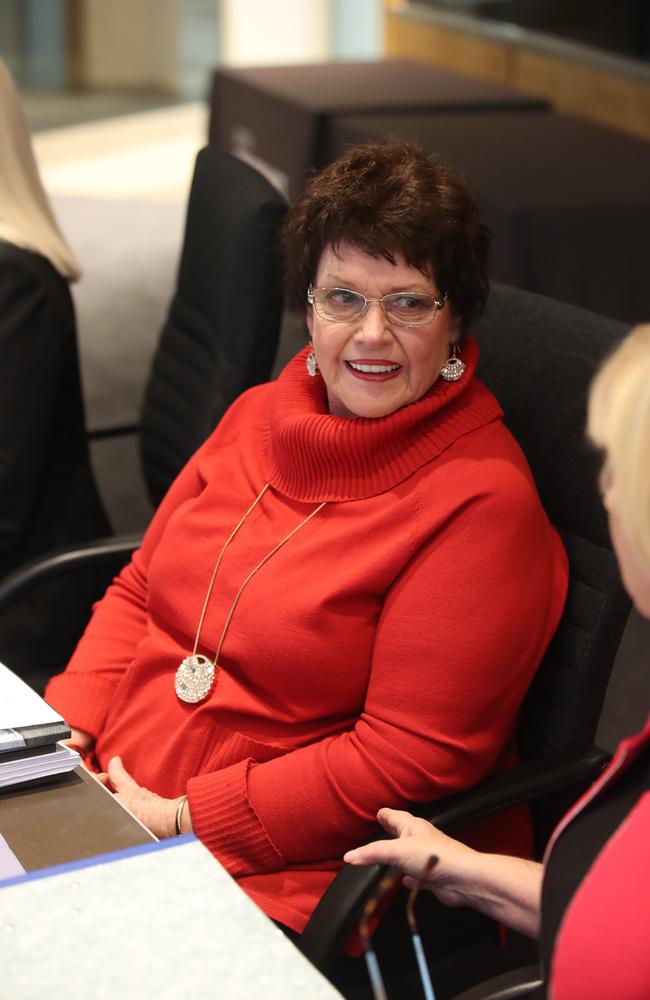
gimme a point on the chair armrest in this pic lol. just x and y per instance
(341, 905)
(509, 986)
(102, 553)
(523, 783)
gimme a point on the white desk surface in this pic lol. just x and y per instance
(161, 921)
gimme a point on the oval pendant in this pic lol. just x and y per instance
(194, 678)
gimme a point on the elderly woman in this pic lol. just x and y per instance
(345, 594)
(592, 897)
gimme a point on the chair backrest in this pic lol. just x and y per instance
(538, 357)
(223, 326)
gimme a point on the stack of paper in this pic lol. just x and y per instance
(29, 731)
(57, 761)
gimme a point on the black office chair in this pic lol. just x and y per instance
(223, 327)
(538, 357)
(220, 338)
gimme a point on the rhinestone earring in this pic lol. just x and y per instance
(453, 367)
(311, 363)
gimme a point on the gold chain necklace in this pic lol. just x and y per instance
(196, 675)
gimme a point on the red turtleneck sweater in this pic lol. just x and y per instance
(378, 657)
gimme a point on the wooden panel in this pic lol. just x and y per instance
(454, 50)
(572, 87)
(602, 97)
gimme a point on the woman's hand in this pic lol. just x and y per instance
(416, 841)
(79, 740)
(157, 814)
(507, 889)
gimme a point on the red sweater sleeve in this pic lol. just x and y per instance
(460, 635)
(84, 691)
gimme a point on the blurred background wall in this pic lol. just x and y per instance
(589, 57)
(168, 46)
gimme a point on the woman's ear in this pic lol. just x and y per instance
(454, 325)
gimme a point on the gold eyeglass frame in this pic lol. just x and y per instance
(313, 301)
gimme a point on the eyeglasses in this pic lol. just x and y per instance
(342, 305)
(388, 885)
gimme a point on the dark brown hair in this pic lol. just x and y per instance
(389, 198)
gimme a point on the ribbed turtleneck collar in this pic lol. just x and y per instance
(313, 456)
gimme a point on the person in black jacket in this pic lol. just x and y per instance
(48, 498)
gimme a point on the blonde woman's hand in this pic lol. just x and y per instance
(506, 889)
(416, 840)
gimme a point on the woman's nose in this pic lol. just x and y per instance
(374, 326)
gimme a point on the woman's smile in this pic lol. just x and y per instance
(373, 371)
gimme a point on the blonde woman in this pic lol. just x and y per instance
(590, 901)
(47, 494)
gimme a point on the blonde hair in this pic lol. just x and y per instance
(26, 218)
(619, 423)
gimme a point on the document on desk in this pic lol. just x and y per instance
(10, 866)
(171, 920)
(29, 731)
(26, 721)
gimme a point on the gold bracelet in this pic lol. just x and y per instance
(179, 811)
